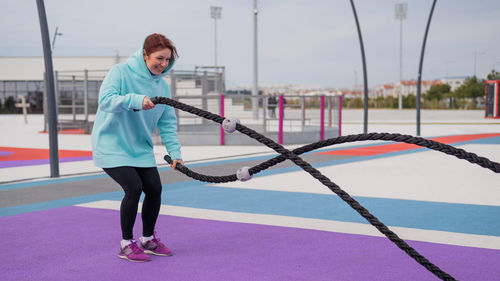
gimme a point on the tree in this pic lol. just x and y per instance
(437, 92)
(9, 105)
(494, 75)
(410, 101)
(471, 88)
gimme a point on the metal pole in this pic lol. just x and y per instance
(420, 67)
(400, 97)
(204, 93)
(173, 86)
(330, 111)
(475, 58)
(215, 13)
(265, 113)
(222, 136)
(56, 91)
(340, 116)
(255, 91)
(51, 101)
(215, 41)
(280, 124)
(401, 11)
(73, 97)
(322, 118)
(223, 79)
(45, 110)
(86, 95)
(303, 110)
(365, 78)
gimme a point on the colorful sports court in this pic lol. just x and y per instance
(281, 225)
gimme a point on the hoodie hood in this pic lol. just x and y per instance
(138, 65)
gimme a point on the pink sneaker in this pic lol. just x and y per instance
(133, 253)
(155, 247)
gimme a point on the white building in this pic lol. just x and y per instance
(454, 82)
(410, 87)
(33, 68)
(25, 75)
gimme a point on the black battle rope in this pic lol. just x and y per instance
(292, 155)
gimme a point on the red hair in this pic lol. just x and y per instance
(156, 42)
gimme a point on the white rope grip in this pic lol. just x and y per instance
(243, 174)
(229, 124)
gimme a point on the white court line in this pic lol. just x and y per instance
(425, 176)
(433, 236)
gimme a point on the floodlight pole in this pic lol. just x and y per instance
(54, 39)
(365, 78)
(50, 91)
(255, 91)
(215, 13)
(401, 10)
(215, 42)
(475, 59)
(419, 82)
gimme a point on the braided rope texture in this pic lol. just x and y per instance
(293, 156)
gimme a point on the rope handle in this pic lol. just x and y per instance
(201, 177)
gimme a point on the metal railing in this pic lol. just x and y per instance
(293, 119)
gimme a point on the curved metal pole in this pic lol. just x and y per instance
(420, 67)
(365, 78)
(50, 91)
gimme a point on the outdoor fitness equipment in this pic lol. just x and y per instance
(293, 156)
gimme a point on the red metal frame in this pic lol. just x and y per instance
(222, 135)
(280, 130)
(495, 100)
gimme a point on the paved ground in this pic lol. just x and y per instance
(281, 225)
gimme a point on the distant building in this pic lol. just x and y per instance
(384, 90)
(352, 93)
(454, 82)
(410, 87)
(25, 76)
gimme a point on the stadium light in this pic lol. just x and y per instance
(215, 13)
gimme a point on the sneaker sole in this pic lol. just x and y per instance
(156, 254)
(125, 258)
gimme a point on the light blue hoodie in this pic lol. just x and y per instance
(122, 136)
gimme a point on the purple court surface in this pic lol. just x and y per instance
(445, 208)
(77, 243)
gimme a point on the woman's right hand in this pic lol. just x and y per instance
(147, 103)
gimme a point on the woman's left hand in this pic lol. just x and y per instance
(174, 163)
(147, 104)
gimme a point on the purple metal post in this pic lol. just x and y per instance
(322, 126)
(222, 142)
(340, 116)
(280, 133)
(330, 109)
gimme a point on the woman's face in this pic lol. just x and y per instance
(158, 61)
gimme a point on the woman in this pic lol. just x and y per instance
(122, 144)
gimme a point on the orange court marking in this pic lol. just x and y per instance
(395, 147)
(68, 132)
(36, 153)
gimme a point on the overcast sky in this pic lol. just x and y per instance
(299, 41)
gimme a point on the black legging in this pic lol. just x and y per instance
(134, 180)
